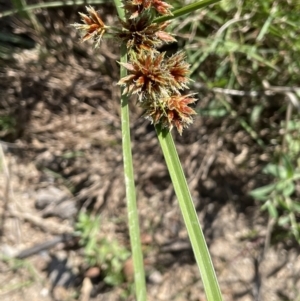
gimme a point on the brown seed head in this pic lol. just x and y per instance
(148, 76)
(136, 7)
(179, 70)
(141, 34)
(172, 111)
(93, 26)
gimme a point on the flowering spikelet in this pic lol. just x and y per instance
(93, 26)
(179, 70)
(151, 74)
(172, 111)
(142, 34)
(148, 76)
(136, 7)
(157, 80)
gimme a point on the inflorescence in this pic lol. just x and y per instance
(157, 80)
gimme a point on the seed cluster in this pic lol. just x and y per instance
(156, 79)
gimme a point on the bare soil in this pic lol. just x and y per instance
(64, 156)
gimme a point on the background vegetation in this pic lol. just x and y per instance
(59, 123)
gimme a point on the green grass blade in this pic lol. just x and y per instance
(190, 217)
(49, 5)
(133, 220)
(21, 5)
(120, 10)
(185, 10)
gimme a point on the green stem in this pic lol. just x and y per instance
(190, 216)
(133, 219)
(50, 4)
(185, 10)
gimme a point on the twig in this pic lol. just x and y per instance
(268, 91)
(65, 238)
(232, 21)
(6, 145)
(286, 126)
(289, 92)
(271, 223)
(6, 191)
(41, 223)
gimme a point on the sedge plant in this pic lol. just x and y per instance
(158, 82)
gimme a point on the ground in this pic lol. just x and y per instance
(64, 157)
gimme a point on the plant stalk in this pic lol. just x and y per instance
(190, 216)
(133, 219)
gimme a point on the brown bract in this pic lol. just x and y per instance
(136, 7)
(148, 76)
(141, 34)
(172, 111)
(93, 26)
(179, 70)
(151, 74)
